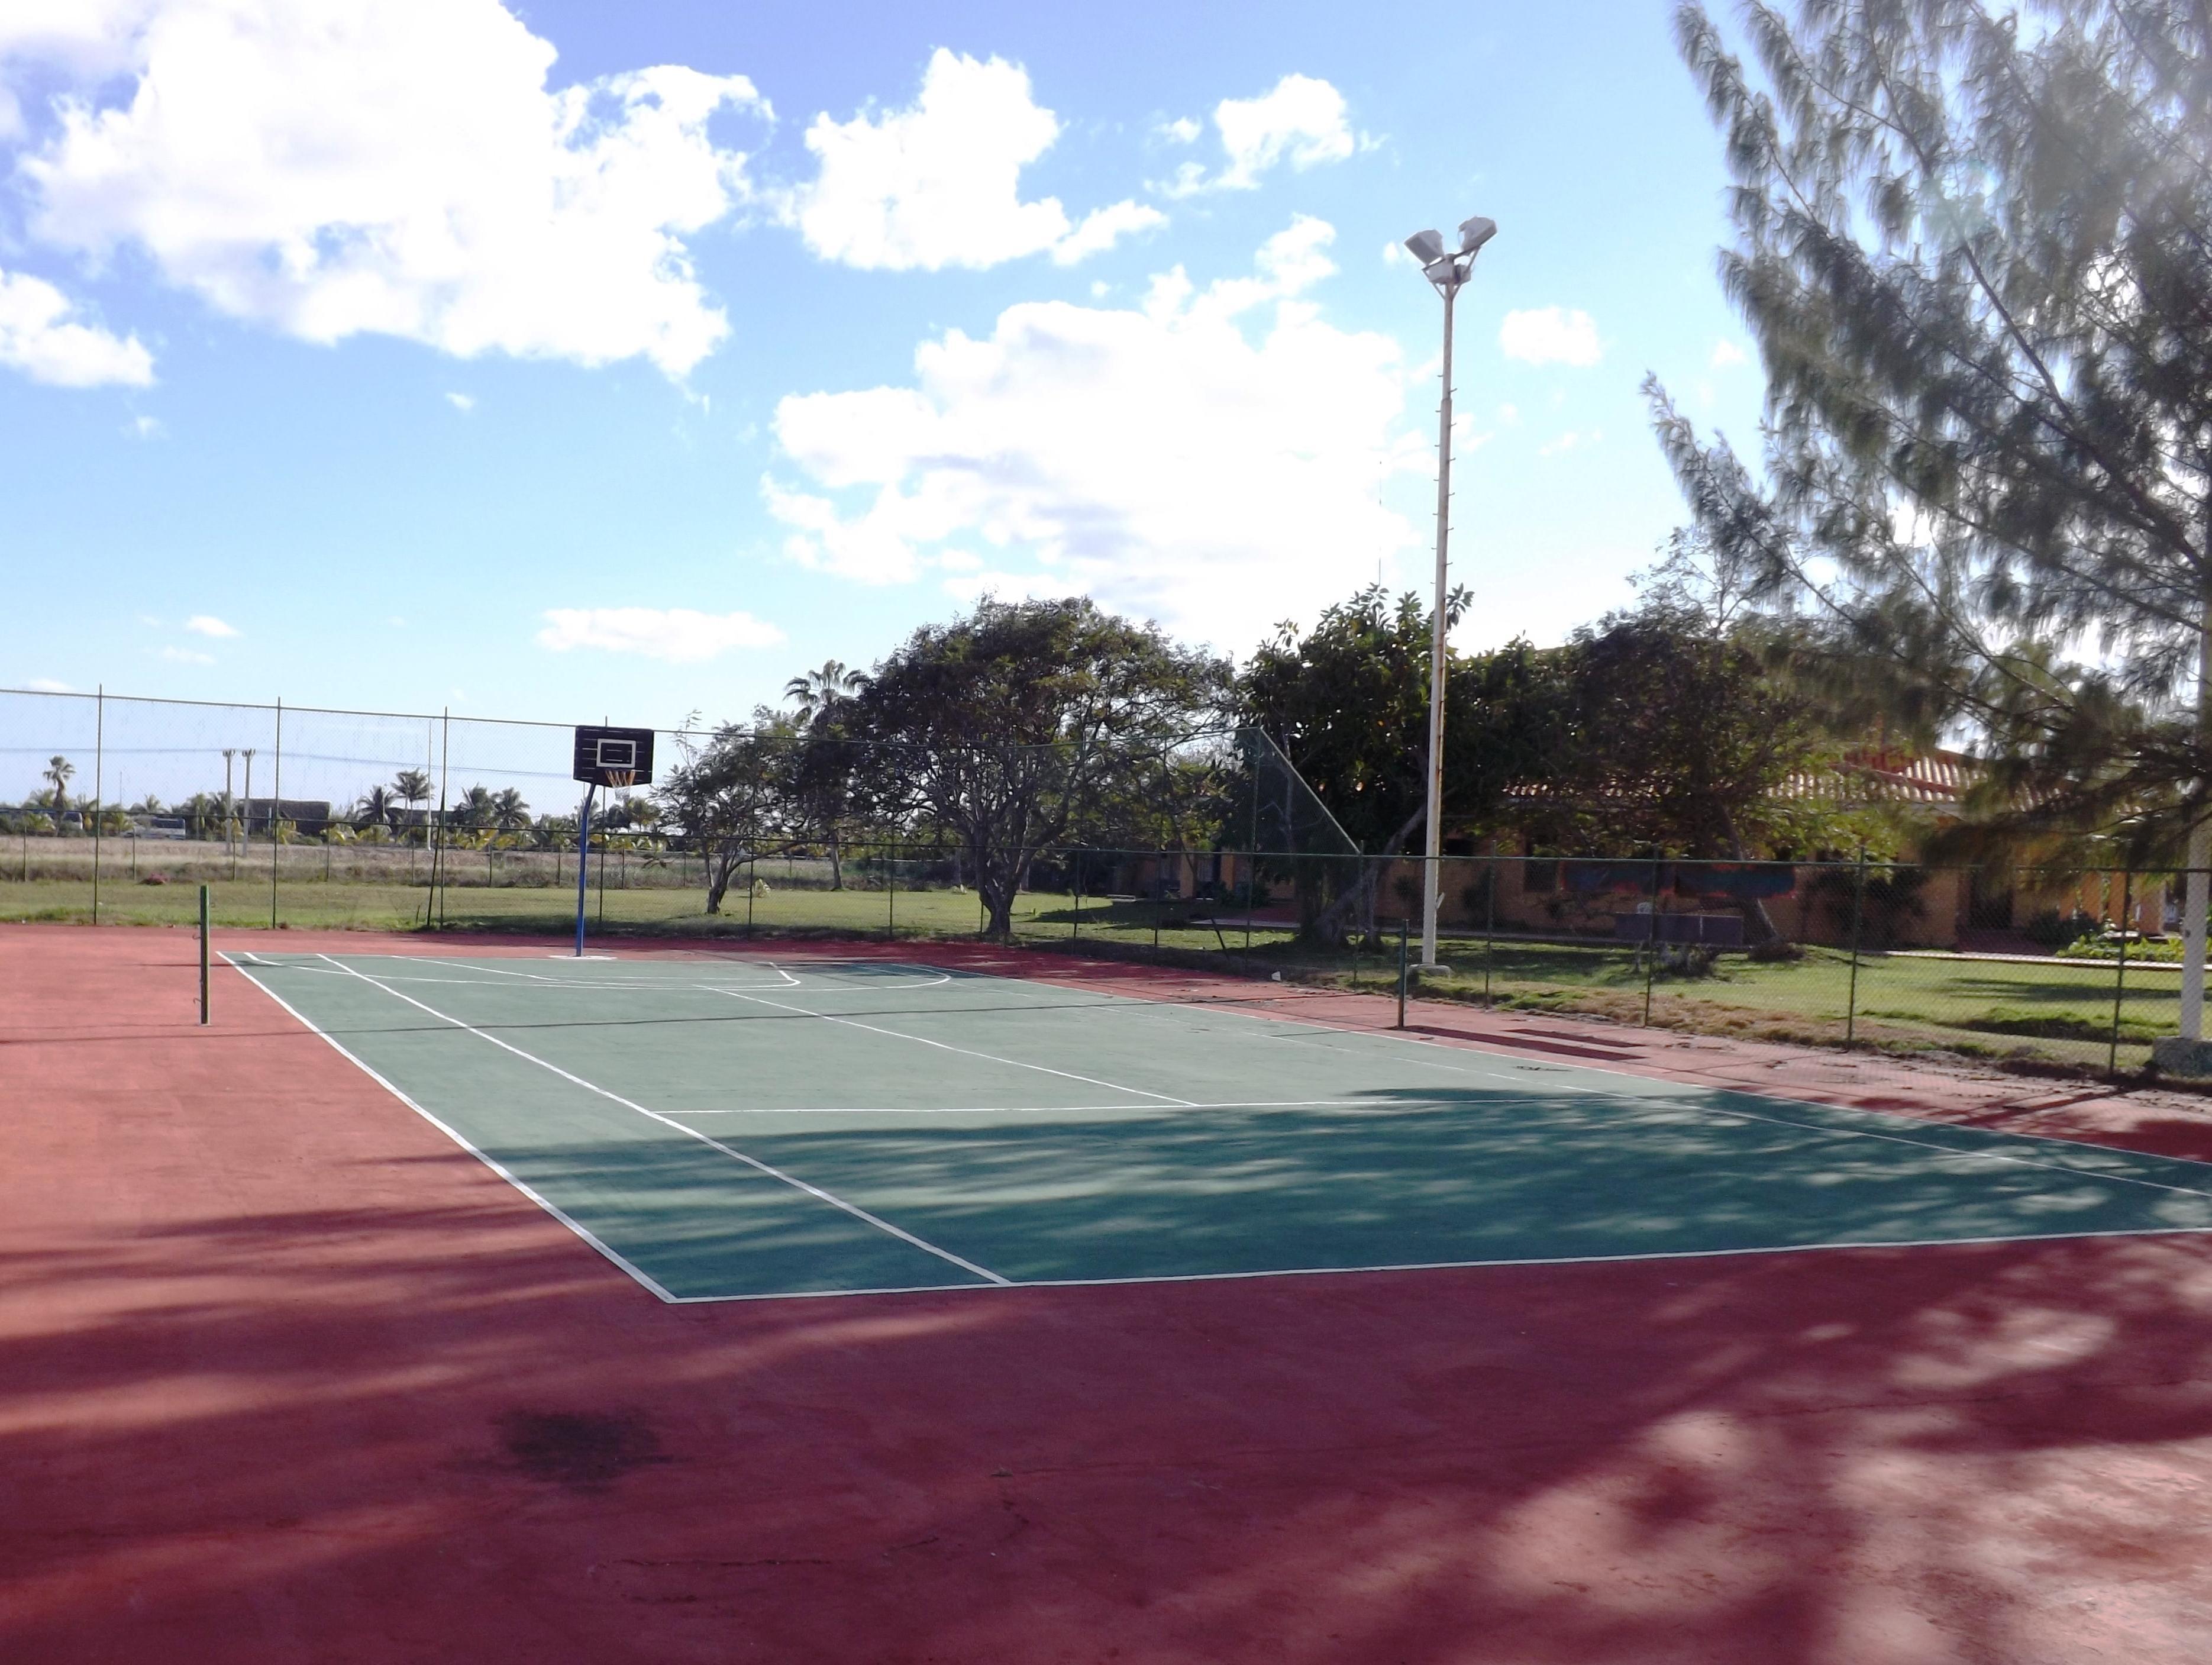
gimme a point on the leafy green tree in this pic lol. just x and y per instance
(509, 813)
(1006, 727)
(731, 795)
(1975, 247)
(822, 777)
(1348, 704)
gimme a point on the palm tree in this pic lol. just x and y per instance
(376, 808)
(413, 785)
(59, 771)
(817, 695)
(474, 808)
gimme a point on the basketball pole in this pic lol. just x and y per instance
(583, 860)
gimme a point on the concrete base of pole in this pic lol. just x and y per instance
(2177, 1055)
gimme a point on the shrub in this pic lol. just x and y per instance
(2052, 929)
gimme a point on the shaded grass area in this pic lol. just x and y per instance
(2060, 1012)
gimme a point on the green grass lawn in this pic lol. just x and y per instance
(2061, 1011)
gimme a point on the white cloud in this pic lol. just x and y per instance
(1183, 130)
(938, 184)
(1213, 458)
(40, 336)
(461, 402)
(1102, 228)
(145, 427)
(678, 634)
(207, 625)
(1550, 335)
(185, 656)
(1302, 120)
(392, 167)
(48, 685)
(1726, 354)
(1571, 441)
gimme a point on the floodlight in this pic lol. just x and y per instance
(1428, 247)
(1473, 234)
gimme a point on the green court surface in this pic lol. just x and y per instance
(725, 1125)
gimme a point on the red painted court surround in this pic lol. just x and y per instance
(285, 1376)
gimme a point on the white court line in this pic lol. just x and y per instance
(1690, 1096)
(731, 1150)
(1476, 1265)
(453, 1134)
(966, 1052)
(1044, 1109)
(544, 981)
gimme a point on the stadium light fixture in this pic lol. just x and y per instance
(1449, 273)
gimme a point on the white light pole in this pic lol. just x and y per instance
(1448, 272)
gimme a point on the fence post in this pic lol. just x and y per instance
(1405, 936)
(890, 904)
(2120, 978)
(1858, 910)
(99, 788)
(204, 954)
(752, 879)
(438, 833)
(276, 816)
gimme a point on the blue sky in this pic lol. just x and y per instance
(563, 360)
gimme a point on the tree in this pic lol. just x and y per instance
(1348, 704)
(728, 796)
(1975, 247)
(58, 771)
(413, 786)
(824, 777)
(378, 807)
(509, 813)
(1005, 727)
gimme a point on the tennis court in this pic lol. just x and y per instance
(729, 1126)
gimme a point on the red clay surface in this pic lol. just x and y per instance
(285, 1376)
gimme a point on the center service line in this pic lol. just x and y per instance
(729, 1151)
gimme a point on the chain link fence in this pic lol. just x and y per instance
(116, 810)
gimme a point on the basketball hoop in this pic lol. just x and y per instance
(619, 777)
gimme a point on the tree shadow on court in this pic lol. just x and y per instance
(445, 1429)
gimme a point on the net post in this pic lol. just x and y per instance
(2120, 978)
(1651, 944)
(1489, 920)
(583, 861)
(204, 956)
(275, 816)
(1404, 937)
(1858, 912)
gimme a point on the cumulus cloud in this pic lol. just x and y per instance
(1550, 335)
(48, 685)
(677, 634)
(207, 625)
(41, 335)
(1726, 355)
(1301, 120)
(391, 167)
(184, 656)
(938, 184)
(1212, 458)
(461, 402)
